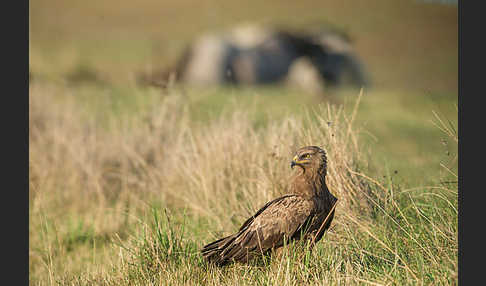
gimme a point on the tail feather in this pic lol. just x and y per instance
(238, 251)
(236, 247)
(212, 251)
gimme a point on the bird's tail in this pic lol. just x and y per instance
(212, 251)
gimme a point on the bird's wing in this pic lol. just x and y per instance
(268, 228)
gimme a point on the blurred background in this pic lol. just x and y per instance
(410, 45)
(407, 49)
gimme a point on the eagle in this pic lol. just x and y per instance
(306, 212)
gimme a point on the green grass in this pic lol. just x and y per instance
(397, 126)
(131, 202)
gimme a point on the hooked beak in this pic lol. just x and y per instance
(295, 162)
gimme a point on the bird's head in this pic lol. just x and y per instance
(310, 158)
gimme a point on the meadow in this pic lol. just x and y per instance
(127, 183)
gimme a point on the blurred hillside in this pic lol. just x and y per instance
(406, 45)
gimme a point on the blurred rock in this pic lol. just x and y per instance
(304, 75)
(251, 54)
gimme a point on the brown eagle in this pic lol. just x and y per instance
(305, 213)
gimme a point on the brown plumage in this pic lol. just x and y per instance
(301, 214)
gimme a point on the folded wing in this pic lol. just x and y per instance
(280, 219)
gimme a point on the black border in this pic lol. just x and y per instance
(470, 121)
(15, 141)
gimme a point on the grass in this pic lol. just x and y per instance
(131, 202)
(126, 183)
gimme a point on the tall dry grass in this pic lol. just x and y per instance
(98, 191)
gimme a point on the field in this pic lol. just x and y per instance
(127, 183)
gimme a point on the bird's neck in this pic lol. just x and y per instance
(310, 185)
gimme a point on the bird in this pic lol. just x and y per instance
(305, 212)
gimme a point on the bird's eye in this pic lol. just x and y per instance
(305, 156)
